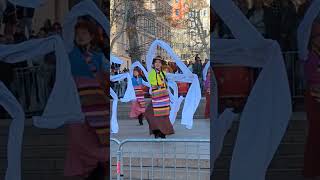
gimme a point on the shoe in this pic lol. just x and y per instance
(140, 117)
(163, 136)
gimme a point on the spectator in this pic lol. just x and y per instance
(197, 67)
(289, 25)
(57, 29)
(256, 16)
(272, 19)
(190, 66)
(19, 35)
(47, 26)
(42, 33)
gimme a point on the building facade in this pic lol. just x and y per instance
(189, 34)
(153, 23)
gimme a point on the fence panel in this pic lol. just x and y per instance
(32, 87)
(295, 71)
(155, 159)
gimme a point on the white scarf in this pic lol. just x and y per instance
(193, 97)
(128, 96)
(12, 106)
(268, 109)
(305, 28)
(63, 105)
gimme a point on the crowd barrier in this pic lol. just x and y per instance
(174, 159)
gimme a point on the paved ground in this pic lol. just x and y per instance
(130, 129)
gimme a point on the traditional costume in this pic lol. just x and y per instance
(157, 112)
(88, 142)
(138, 107)
(312, 104)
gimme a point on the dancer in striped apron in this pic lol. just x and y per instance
(157, 112)
(312, 103)
(138, 107)
(88, 148)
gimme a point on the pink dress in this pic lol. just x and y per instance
(138, 107)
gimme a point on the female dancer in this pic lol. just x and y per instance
(138, 107)
(312, 102)
(87, 151)
(157, 112)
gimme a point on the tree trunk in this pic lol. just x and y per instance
(132, 33)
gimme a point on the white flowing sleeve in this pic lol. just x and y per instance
(268, 109)
(305, 27)
(63, 105)
(15, 136)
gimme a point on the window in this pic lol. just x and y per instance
(177, 12)
(204, 12)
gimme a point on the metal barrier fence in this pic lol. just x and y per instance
(295, 71)
(174, 159)
(32, 87)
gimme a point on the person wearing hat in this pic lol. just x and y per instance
(88, 142)
(312, 102)
(138, 107)
(157, 112)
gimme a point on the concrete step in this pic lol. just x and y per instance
(278, 162)
(43, 152)
(285, 149)
(276, 174)
(287, 162)
(40, 175)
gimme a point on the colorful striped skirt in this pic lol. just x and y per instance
(95, 105)
(140, 96)
(161, 102)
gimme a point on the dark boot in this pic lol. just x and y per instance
(163, 136)
(140, 117)
(98, 173)
(156, 134)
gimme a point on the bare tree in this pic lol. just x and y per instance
(118, 12)
(196, 27)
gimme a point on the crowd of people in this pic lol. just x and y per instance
(195, 67)
(277, 20)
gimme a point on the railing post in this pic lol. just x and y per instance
(119, 165)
